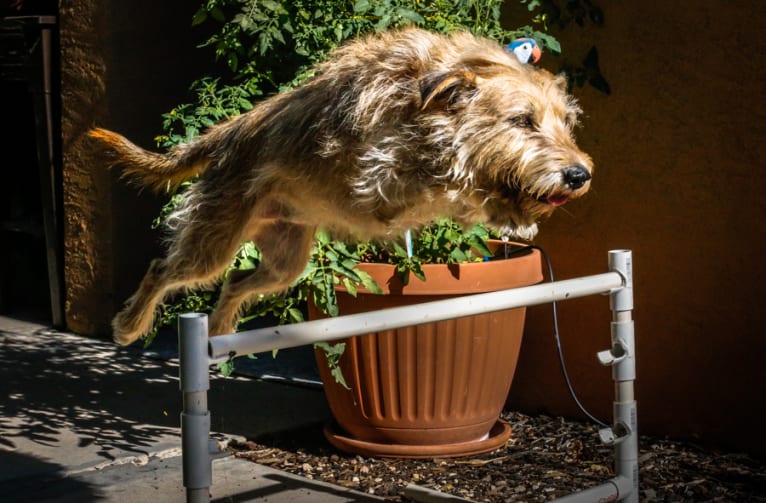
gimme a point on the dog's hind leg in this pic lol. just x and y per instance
(198, 256)
(285, 248)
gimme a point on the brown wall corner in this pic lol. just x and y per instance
(124, 64)
(86, 188)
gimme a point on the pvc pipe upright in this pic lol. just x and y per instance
(623, 434)
(624, 374)
(195, 418)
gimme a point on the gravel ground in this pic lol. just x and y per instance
(545, 458)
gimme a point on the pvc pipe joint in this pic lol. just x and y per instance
(623, 337)
(621, 262)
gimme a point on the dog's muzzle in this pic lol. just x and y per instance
(574, 178)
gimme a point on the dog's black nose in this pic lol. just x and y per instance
(576, 176)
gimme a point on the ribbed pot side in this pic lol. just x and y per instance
(437, 383)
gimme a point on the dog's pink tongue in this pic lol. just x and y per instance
(558, 200)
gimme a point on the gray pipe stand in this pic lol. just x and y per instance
(197, 354)
(195, 418)
(623, 434)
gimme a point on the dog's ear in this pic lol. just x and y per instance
(561, 81)
(444, 86)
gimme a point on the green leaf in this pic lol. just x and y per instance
(369, 284)
(246, 264)
(457, 255)
(217, 14)
(199, 17)
(362, 6)
(480, 246)
(383, 23)
(337, 373)
(331, 305)
(244, 104)
(333, 353)
(410, 15)
(271, 5)
(417, 270)
(342, 248)
(296, 316)
(399, 250)
(350, 287)
(250, 250)
(403, 269)
(343, 271)
(277, 35)
(226, 368)
(548, 42)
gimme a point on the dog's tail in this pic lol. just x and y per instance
(152, 169)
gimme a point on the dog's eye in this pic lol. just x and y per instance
(522, 121)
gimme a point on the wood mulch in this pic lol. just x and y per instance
(545, 458)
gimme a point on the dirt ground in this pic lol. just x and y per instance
(545, 458)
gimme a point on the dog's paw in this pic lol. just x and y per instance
(122, 332)
(125, 338)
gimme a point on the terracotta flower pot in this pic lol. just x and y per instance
(435, 389)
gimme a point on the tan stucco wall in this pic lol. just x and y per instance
(87, 191)
(679, 149)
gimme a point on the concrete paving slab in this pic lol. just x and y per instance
(159, 479)
(86, 420)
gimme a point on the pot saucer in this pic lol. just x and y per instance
(498, 435)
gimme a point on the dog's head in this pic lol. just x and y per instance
(509, 127)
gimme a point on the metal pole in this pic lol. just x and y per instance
(287, 336)
(195, 418)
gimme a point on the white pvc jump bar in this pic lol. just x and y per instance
(223, 347)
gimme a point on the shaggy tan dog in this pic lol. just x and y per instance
(393, 131)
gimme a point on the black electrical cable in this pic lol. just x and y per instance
(556, 331)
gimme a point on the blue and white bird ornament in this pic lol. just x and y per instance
(526, 50)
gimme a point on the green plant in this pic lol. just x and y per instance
(268, 46)
(561, 14)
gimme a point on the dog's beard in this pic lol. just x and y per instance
(514, 212)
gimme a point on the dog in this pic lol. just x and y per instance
(392, 131)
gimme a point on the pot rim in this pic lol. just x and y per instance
(463, 278)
